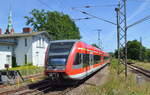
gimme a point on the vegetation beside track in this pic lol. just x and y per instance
(143, 65)
(118, 85)
(28, 70)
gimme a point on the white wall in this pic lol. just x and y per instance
(39, 48)
(4, 52)
(35, 50)
(21, 50)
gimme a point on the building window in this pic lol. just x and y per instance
(37, 42)
(25, 41)
(25, 59)
(40, 42)
(8, 59)
(43, 42)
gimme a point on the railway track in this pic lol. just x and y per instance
(36, 91)
(47, 87)
(140, 70)
(28, 88)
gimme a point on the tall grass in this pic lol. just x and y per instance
(119, 85)
(144, 65)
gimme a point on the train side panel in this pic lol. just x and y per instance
(82, 61)
(83, 69)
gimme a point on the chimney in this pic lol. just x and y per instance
(0, 31)
(27, 30)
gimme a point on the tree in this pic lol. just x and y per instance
(134, 47)
(58, 25)
(147, 55)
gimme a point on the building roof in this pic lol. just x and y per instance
(55, 41)
(15, 35)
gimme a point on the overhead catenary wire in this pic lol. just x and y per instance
(139, 21)
(45, 4)
(90, 6)
(94, 16)
(139, 1)
(86, 18)
(61, 5)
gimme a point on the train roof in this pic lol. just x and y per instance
(55, 41)
(89, 46)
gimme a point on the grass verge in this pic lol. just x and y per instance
(119, 85)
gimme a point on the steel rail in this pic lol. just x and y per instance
(140, 70)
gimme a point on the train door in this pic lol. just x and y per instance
(102, 59)
(86, 63)
(91, 60)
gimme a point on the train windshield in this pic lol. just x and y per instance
(59, 52)
(60, 47)
(57, 60)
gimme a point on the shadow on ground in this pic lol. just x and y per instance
(47, 85)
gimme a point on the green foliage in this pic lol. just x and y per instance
(28, 70)
(58, 25)
(136, 51)
(134, 47)
(147, 55)
(114, 63)
(119, 85)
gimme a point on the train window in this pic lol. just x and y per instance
(106, 58)
(57, 60)
(77, 60)
(61, 47)
(97, 59)
(86, 60)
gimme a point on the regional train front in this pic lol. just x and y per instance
(56, 58)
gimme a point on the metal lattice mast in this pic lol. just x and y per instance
(99, 39)
(122, 35)
(140, 56)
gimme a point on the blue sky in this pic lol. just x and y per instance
(136, 9)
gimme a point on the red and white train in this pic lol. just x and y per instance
(73, 59)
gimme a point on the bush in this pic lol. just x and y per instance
(28, 70)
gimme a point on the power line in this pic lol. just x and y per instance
(95, 16)
(139, 21)
(140, 1)
(45, 4)
(86, 18)
(62, 6)
(90, 6)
